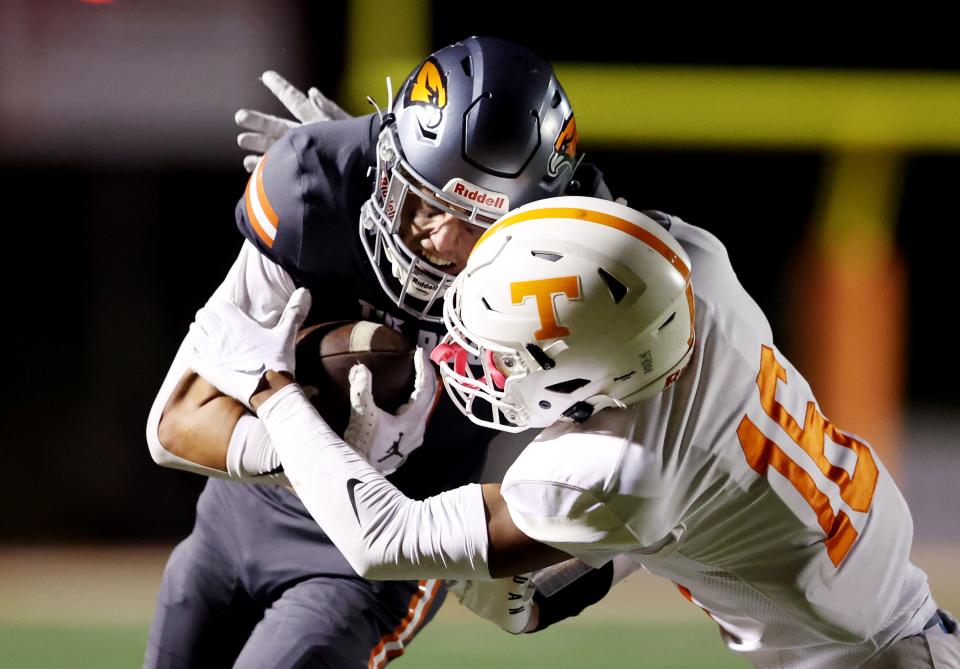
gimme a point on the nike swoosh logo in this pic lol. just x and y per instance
(259, 371)
(351, 484)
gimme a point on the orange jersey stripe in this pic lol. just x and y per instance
(392, 645)
(252, 217)
(264, 202)
(599, 218)
(689, 597)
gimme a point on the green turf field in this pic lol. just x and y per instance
(442, 645)
(79, 608)
(599, 645)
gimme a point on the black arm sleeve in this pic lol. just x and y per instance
(571, 600)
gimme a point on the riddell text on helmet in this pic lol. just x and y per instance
(490, 200)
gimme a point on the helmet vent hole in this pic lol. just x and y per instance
(555, 102)
(617, 290)
(467, 67)
(486, 304)
(547, 255)
(567, 387)
(668, 321)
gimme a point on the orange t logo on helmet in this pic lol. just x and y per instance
(544, 290)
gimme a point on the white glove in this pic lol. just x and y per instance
(505, 601)
(267, 129)
(233, 352)
(385, 439)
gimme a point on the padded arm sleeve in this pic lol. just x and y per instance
(589, 588)
(566, 589)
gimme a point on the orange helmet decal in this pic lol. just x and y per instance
(543, 291)
(564, 147)
(429, 89)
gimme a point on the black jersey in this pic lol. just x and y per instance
(302, 210)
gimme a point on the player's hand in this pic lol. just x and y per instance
(233, 352)
(385, 439)
(505, 601)
(265, 129)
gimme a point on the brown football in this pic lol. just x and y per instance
(326, 352)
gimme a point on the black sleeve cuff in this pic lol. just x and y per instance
(571, 600)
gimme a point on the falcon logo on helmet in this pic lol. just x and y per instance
(564, 148)
(429, 92)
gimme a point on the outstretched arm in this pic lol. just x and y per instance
(462, 533)
(194, 427)
(262, 130)
(465, 532)
(198, 421)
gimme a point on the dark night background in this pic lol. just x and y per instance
(107, 258)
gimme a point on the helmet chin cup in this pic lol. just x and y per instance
(411, 283)
(417, 283)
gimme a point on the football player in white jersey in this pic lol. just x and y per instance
(678, 439)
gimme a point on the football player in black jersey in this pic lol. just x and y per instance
(375, 215)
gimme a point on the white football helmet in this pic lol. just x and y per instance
(566, 306)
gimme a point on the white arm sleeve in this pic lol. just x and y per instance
(383, 534)
(549, 580)
(261, 288)
(251, 456)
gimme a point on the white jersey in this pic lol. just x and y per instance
(732, 483)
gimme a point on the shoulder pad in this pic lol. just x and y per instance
(270, 214)
(663, 219)
(312, 181)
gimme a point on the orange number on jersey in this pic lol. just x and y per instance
(762, 453)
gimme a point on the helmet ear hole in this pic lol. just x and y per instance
(466, 66)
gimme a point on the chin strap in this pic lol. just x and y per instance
(389, 117)
(582, 410)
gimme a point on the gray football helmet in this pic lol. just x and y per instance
(478, 128)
